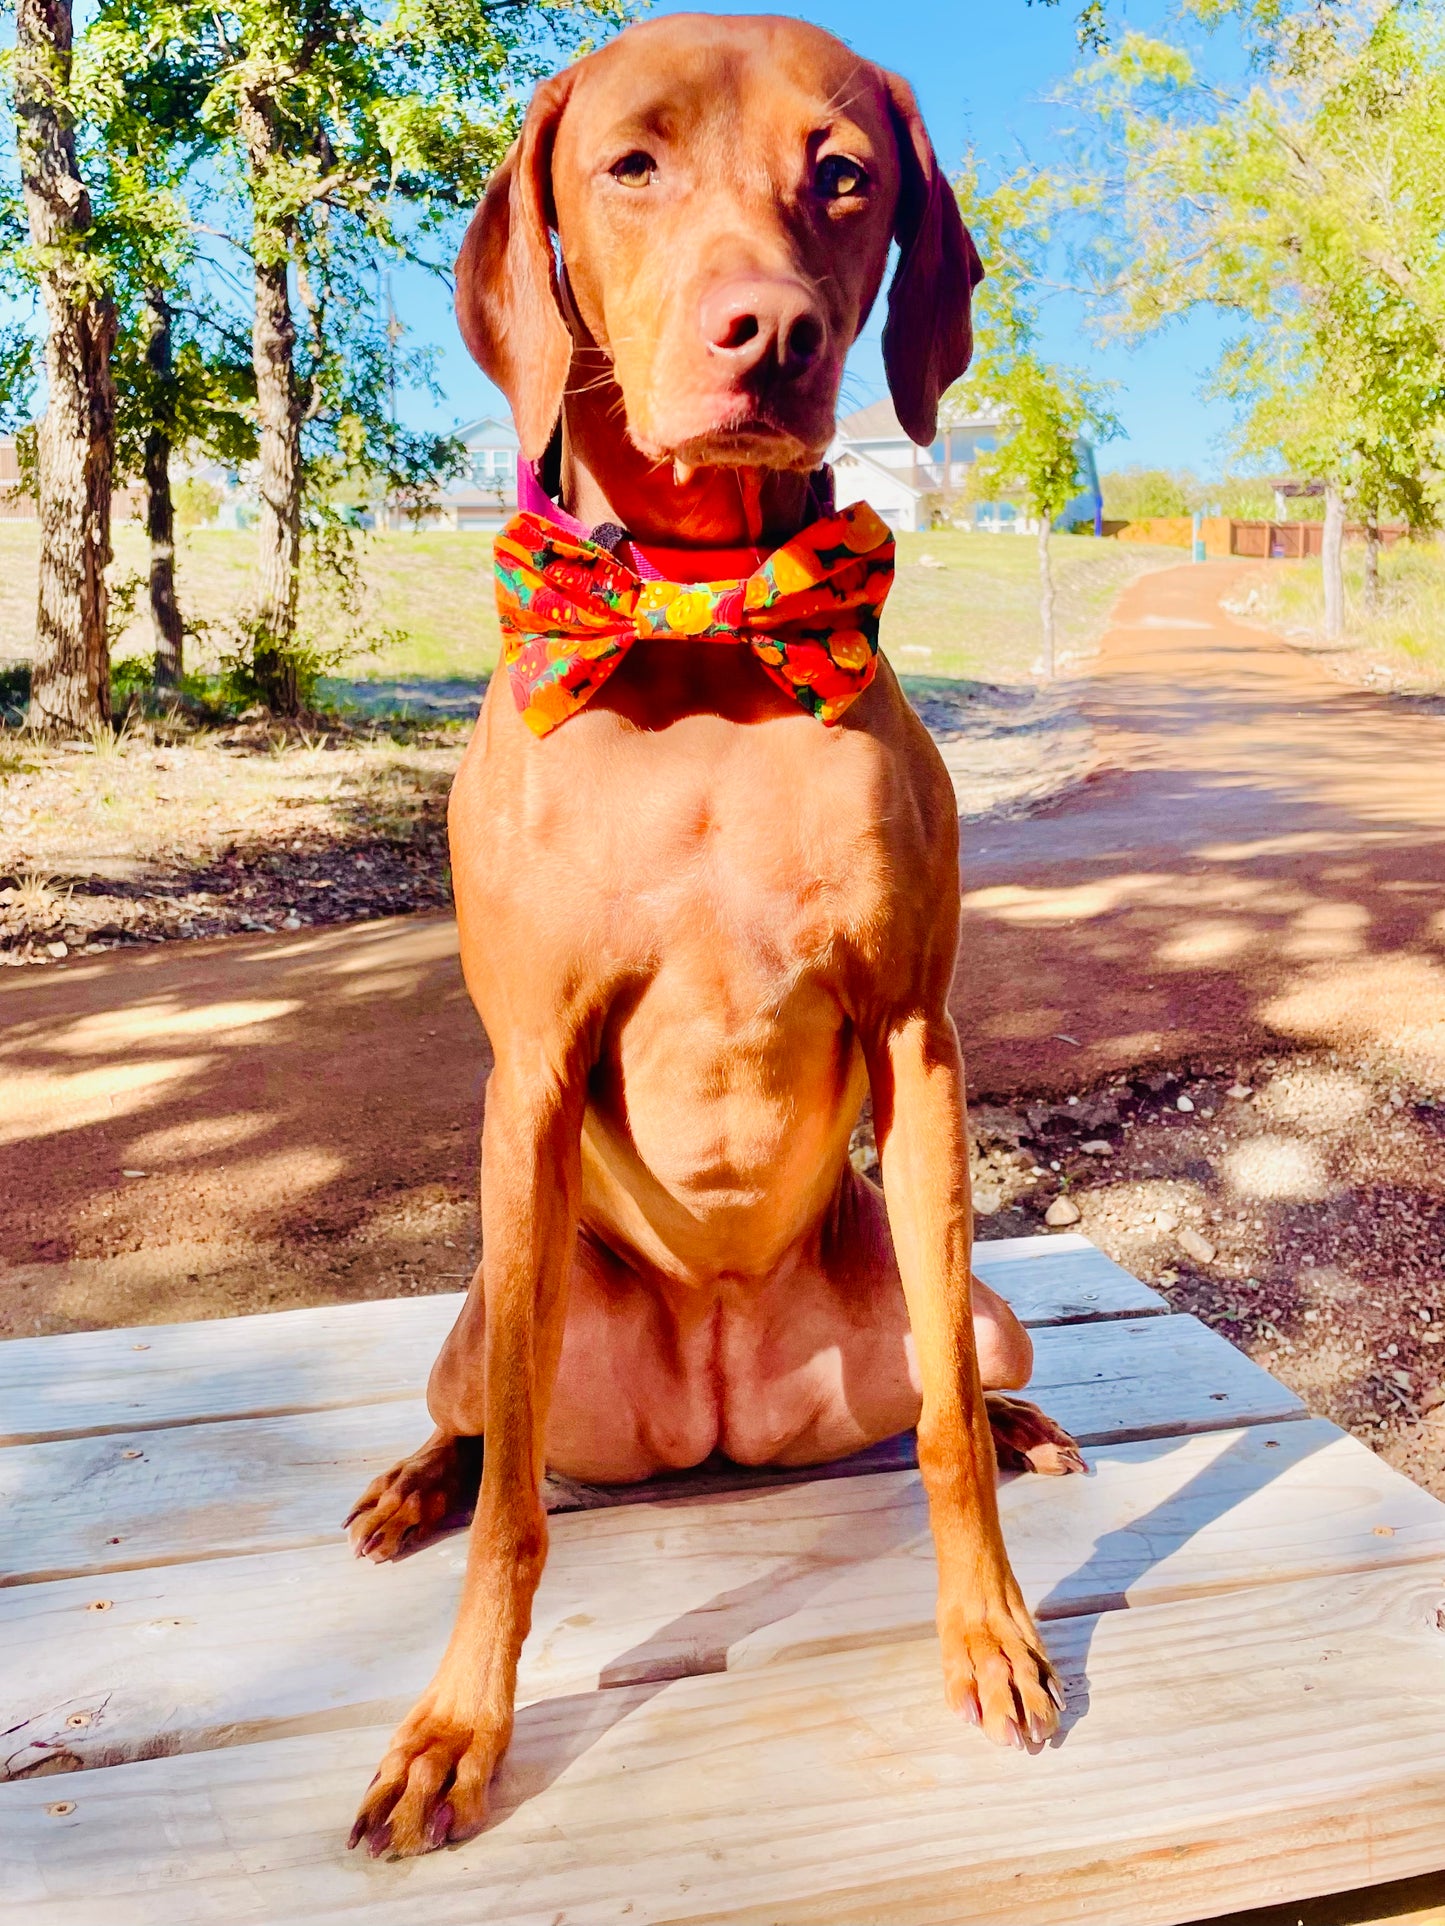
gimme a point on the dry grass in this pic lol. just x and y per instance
(1401, 646)
(165, 830)
(975, 616)
(136, 839)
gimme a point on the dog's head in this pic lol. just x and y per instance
(723, 193)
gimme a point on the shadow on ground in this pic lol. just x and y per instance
(215, 1127)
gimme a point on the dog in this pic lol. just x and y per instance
(705, 905)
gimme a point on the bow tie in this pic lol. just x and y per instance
(570, 611)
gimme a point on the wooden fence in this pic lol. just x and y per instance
(1265, 541)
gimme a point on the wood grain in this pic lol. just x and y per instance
(1288, 1740)
(101, 1504)
(190, 1656)
(94, 1382)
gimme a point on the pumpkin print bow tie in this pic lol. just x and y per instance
(570, 611)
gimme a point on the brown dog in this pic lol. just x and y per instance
(697, 924)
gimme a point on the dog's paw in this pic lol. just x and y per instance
(1027, 1439)
(996, 1674)
(431, 1788)
(399, 1511)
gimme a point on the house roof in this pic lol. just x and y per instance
(879, 422)
(895, 477)
(493, 430)
(876, 422)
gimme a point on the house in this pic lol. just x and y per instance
(911, 487)
(18, 504)
(486, 495)
(15, 504)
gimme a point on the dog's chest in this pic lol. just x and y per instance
(768, 846)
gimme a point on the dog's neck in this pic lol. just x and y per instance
(606, 478)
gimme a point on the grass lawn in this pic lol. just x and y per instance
(975, 616)
(1402, 644)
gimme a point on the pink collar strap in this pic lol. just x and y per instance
(669, 564)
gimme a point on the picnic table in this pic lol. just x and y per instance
(730, 1705)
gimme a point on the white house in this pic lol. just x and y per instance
(486, 496)
(874, 460)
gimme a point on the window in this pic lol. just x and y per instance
(491, 465)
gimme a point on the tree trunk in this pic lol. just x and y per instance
(1372, 563)
(1046, 596)
(279, 413)
(278, 409)
(75, 442)
(1332, 549)
(160, 510)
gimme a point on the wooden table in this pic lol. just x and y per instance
(731, 1702)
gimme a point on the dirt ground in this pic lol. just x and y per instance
(172, 832)
(176, 832)
(1244, 893)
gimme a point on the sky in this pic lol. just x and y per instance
(981, 70)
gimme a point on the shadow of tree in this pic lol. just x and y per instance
(299, 1117)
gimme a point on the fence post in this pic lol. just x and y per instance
(1198, 544)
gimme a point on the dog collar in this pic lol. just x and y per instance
(654, 563)
(571, 610)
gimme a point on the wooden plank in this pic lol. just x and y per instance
(191, 1656)
(147, 1376)
(1062, 1279)
(1276, 1742)
(113, 1503)
(93, 1382)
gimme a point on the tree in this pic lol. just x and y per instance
(1048, 412)
(1138, 494)
(355, 130)
(105, 133)
(70, 680)
(1308, 203)
(182, 387)
(1044, 409)
(181, 383)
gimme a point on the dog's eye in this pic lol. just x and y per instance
(634, 170)
(838, 177)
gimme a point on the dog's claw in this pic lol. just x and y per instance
(1055, 1691)
(433, 1489)
(1027, 1439)
(379, 1841)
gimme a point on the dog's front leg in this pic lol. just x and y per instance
(432, 1784)
(995, 1669)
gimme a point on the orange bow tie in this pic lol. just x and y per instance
(570, 611)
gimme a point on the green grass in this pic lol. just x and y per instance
(1408, 631)
(976, 616)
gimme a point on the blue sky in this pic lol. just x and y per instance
(982, 70)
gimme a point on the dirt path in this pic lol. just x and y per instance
(224, 1125)
(1260, 863)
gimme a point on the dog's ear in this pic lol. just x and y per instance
(508, 307)
(928, 337)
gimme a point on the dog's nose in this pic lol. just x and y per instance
(750, 323)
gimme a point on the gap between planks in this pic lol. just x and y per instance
(115, 1503)
(278, 1363)
(1200, 1766)
(187, 1657)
